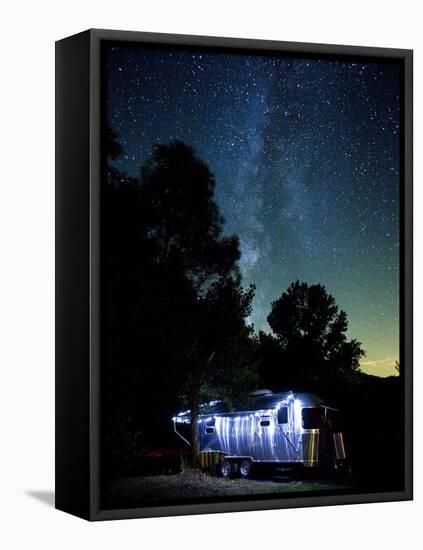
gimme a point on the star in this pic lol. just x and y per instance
(306, 156)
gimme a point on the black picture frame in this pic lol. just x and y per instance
(78, 170)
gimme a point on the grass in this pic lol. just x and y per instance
(194, 484)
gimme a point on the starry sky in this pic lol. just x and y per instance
(306, 156)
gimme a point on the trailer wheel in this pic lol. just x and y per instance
(245, 469)
(227, 469)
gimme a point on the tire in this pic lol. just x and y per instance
(227, 469)
(245, 469)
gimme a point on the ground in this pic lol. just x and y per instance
(191, 483)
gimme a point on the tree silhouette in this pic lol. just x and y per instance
(112, 146)
(174, 312)
(184, 222)
(311, 335)
(219, 363)
(183, 217)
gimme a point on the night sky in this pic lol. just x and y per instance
(306, 156)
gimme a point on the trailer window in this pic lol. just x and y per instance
(312, 418)
(283, 415)
(210, 430)
(265, 422)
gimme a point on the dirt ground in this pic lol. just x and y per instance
(194, 484)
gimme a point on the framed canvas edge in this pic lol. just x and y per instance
(250, 506)
(404, 55)
(249, 43)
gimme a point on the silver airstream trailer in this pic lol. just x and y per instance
(289, 431)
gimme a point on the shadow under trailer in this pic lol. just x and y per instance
(290, 434)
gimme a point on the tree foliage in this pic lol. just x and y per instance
(219, 362)
(183, 217)
(310, 336)
(112, 146)
(175, 312)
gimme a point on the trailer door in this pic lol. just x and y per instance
(286, 440)
(263, 447)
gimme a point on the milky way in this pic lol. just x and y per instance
(306, 156)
